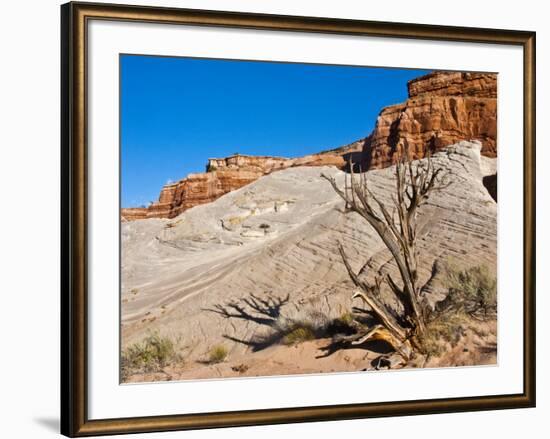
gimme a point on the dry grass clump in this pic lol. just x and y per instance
(310, 324)
(217, 354)
(301, 325)
(150, 355)
(299, 335)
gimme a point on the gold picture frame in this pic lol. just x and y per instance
(74, 191)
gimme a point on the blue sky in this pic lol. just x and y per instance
(178, 112)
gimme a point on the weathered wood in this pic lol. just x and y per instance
(412, 188)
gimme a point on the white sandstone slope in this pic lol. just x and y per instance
(269, 250)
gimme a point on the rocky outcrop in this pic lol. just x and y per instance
(443, 108)
(480, 85)
(224, 175)
(134, 213)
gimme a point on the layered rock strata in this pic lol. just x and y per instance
(443, 108)
(224, 175)
(231, 270)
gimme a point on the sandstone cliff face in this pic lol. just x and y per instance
(224, 175)
(133, 213)
(443, 108)
(481, 85)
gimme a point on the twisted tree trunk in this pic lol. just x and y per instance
(412, 188)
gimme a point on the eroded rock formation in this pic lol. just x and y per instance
(224, 175)
(443, 108)
(224, 272)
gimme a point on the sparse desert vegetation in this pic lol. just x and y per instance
(298, 334)
(217, 354)
(472, 291)
(151, 354)
(455, 324)
(295, 326)
(471, 297)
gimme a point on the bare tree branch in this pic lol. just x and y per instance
(398, 231)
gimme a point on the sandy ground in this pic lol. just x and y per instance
(478, 346)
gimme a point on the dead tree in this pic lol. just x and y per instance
(414, 182)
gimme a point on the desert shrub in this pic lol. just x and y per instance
(298, 335)
(472, 291)
(217, 354)
(150, 355)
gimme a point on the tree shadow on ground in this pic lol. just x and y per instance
(376, 346)
(255, 309)
(267, 312)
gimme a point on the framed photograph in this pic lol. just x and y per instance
(272, 219)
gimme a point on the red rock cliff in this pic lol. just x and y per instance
(443, 108)
(225, 175)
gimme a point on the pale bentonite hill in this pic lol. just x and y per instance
(228, 275)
